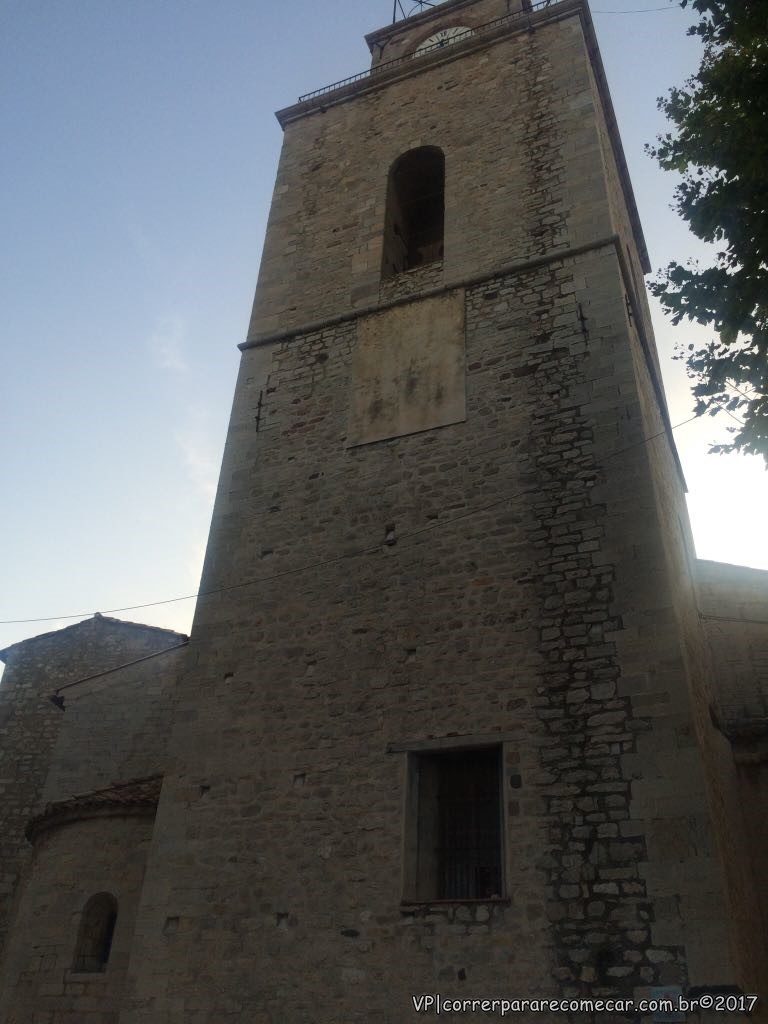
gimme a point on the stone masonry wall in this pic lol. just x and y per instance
(47, 754)
(683, 702)
(516, 123)
(734, 603)
(115, 729)
(403, 38)
(683, 696)
(496, 614)
(412, 282)
(721, 818)
(29, 724)
(676, 695)
(71, 864)
(504, 580)
(631, 246)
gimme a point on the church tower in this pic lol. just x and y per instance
(444, 726)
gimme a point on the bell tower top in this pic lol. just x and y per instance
(470, 109)
(435, 25)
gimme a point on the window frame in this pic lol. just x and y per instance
(412, 887)
(394, 234)
(102, 910)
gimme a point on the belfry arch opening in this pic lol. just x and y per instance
(94, 937)
(415, 214)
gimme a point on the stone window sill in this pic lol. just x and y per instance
(490, 901)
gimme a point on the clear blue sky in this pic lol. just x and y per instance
(139, 150)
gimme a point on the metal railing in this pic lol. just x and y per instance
(471, 33)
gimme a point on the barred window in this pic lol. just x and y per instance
(457, 819)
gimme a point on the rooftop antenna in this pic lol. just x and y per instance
(417, 6)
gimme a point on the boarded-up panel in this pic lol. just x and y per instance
(408, 370)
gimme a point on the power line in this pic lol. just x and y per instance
(370, 549)
(732, 618)
(640, 10)
(57, 699)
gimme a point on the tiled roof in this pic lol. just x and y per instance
(137, 797)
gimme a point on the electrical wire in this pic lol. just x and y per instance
(369, 549)
(639, 10)
(118, 668)
(732, 618)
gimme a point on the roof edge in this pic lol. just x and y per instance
(137, 798)
(704, 565)
(97, 617)
(424, 17)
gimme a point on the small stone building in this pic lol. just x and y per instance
(85, 714)
(461, 714)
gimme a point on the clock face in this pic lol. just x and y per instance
(445, 37)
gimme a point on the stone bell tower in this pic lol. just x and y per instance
(444, 727)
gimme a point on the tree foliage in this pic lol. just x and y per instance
(719, 144)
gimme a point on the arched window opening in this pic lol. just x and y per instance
(413, 227)
(94, 939)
